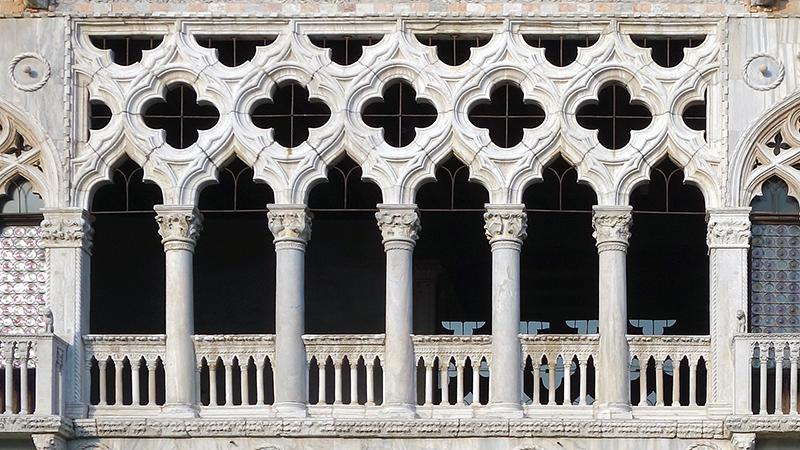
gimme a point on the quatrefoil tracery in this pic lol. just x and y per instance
(290, 114)
(181, 116)
(399, 113)
(614, 116)
(506, 115)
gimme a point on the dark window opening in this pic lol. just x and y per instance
(126, 50)
(290, 114)
(344, 275)
(559, 281)
(453, 50)
(668, 51)
(506, 115)
(561, 51)
(99, 115)
(20, 203)
(233, 51)
(694, 116)
(234, 262)
(127, 271)
(614, 116)
(452, 259)
(668, 270)
(399, 114)
(345, 50)
(775, 200)
(181, 115)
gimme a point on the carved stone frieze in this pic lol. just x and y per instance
(290, 222)
(505, 223)
(179, 226)
(611, 227)
(398, 223)
(67, 228)
(728, 228)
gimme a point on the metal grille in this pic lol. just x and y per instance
(667, 51)
(454, 49)
(614, 116)
(506, 115)
(181, 116)
(126, 50)
(344, 50)
(399, 114)
(233, 51)
(560, 51)
(290, 114)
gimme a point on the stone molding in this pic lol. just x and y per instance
(229, 346)
(290, 223)
(179, 226)
(399, 224)
(612, 227)
(505, 224)
(728, 228)
(368, 347)
(119, 347)
(67, 228)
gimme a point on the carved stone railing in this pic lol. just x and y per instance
(345, 369)
(559, 370)
(235, 370)
(26, 356)
(452, 372)
(655, 380)
(125, 372)
(766, 373)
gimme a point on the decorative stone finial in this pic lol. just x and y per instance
(398, 223)
(290, 222)
(612, 227)
(179, 226)
(505, 223)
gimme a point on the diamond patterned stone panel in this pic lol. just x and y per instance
(775, 279)
(23, 280)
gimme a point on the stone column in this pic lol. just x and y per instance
(728, 245)
(291, 227)
(611, 230)
(399, 225)
(67, 238)
(506, 227)
(179, 227)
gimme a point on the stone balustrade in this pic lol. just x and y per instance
(766, 373)
(125, 371)
(654, 360)
(345, 369)
(235, 370)
(27, 357)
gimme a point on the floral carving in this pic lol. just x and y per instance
(290, 224)
(398, 224)
(179, 227)
(67, 230)
(611, 226)
(728, 230)
(506, 225)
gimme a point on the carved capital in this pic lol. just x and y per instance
(290, 222)
(728, 228)
(505, 223)
(179, 226)
(612, 227)
(743, 441)
(64, 228)
(49, 442)
(398, 223)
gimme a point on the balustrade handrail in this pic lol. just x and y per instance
(344, 344)
(228, 346)
(663, 346)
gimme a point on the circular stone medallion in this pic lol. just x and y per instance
(763, 72)
(29, 71)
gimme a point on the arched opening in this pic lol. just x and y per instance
(128, 268)
(668, 257)
(452, 259)
(559, 284)
(234, 262)
(345, 275)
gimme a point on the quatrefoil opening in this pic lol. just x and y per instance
(614, 116)
(181, 115)
(506, 115)
(399, 113)
(291, 114)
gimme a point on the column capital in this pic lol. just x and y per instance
(612, 225)
(505, 223)
(67, 228)
(728, 228)
(179, 226)
(398, 223)
(289, 223)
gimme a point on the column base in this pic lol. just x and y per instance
(613, 411)
(290, 409)
(76, 410)
(506, 410)
(719, 410)
(179, 410)
(400, 411)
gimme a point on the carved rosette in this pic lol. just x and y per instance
(507, 224)
(67, 229)
(290, 223)
(398, 224)
(728, 229)
(179, 226)
(612, 227)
